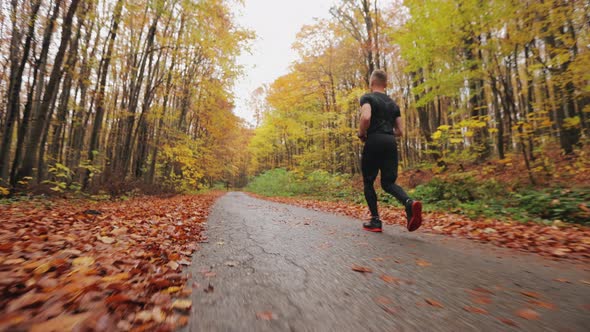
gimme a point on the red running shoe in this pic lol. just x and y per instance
(375, 225)
(414, 215)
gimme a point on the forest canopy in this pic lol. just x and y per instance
(475, 80)
(104, 92)
(110, 92)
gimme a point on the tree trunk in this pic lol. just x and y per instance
(59, 127)
(15, 83)
(45, 109)
(104, 70)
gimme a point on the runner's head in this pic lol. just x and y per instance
(378, 79)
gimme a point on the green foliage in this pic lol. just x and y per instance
(456, 190)
(4, 191)
(219, 186)
(556, 204)
(280, 182)
(91, 169)
(465, 195)
(276, 182)
(62, 179)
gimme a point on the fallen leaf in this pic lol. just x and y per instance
(482, 300)
(173, 265)
(389, 279)
(185, 293)
(123, 325)
(507, 321)
(12, 319)
(527, 314)
(172, 289)
(62, 323)
(119, 231)
(83, 261)
(71, 252)
(118, 298)
(209, 289)
(144, 316)
(382, 300)
(560, 252)
(6, 247)
(32, 265)
(184, 262)
(29, 299)
(531, 294)
(41, 269)
(422, 263)
(475, 310)
(561, 280)
(542, 304)
(107, 240)
(265, 315)
(13, 261)
(434, 303)
(161, 283)
(117, 277)
(182, 320)
(182, 304)
(362, 269)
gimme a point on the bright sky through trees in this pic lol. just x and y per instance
(276, 24)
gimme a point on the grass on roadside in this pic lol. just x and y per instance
(460, 193)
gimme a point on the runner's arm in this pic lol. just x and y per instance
(365, 121)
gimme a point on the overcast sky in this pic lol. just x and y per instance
(276, 23)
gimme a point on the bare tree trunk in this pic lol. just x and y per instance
(104, 69)
(136, 83)
(15, 83)
(49, 95)
(81, 113)
(59, 127)
(33, 98)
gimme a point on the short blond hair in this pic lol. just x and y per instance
(379, 77)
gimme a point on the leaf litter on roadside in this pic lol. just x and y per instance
(62, 268)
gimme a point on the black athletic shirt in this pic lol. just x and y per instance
(384, 111)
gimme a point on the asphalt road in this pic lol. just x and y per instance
(276, 267)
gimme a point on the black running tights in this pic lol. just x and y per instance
(380, 154)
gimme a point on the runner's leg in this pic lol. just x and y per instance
(370, 168)
(389, 176)
(388, 166)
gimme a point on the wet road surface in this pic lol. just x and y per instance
(275, 267)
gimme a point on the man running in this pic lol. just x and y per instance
(380, 122)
